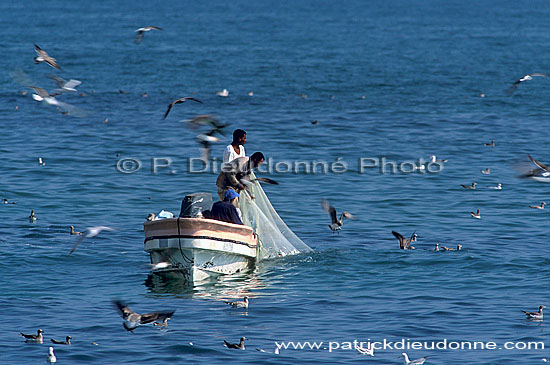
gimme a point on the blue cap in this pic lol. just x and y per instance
(230, 194)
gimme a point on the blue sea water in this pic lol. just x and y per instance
(421, 67)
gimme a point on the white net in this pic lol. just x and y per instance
(276, 239)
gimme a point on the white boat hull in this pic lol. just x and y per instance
(196, 249)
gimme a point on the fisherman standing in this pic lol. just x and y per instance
(233, 172)
(236, 148)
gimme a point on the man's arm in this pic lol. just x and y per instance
(237, 166)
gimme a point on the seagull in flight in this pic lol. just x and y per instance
(205, 139)
(64, 85)
(179, 101)
(527, 77)
(43, 95)
(206, 119)
(541, 173)
(476, 215)
(140, 31)
(535, 315)
(336, 224)
(90, 232)
(132, 319)
(240, 303)
(365, 351)
(405, 244)
(237, 346)
(42, 56)
(413, 362)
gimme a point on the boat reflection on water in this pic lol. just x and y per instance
(228, 286)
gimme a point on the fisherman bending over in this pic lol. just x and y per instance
(225, 210)
(233, 172)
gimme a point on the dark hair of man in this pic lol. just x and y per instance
(257, 156)
(237, 134)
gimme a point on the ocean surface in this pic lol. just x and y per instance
(397, 80)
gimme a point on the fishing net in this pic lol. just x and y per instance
(276, 239)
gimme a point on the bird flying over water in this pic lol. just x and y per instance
(205, 140)
(476, 215)
(540, 174)
(405, 244)
(527, 77)
(90, 232)
(42, 56)
(132, 319)
(336, 224)
(140, 32)
(43, 95)
(179, 101)
(413, 362)
(64, 85)
(206, 119)
(365, 351)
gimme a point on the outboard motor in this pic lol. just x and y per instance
(196, 205)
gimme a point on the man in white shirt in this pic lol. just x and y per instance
(236, 148)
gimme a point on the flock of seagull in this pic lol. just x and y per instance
(336, 224)
(131, 319)
(405, 244)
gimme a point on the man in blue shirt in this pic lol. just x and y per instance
(225, 210)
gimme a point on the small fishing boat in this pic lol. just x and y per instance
(196, 248)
